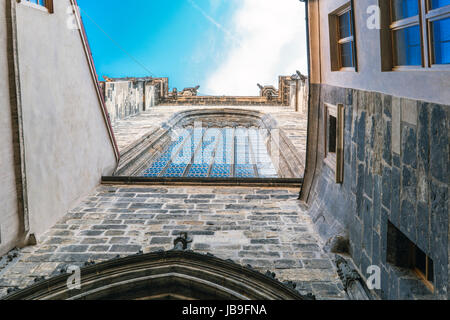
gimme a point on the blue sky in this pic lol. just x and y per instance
(217, 44)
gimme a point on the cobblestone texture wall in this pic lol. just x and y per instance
(396, 169)
(263, 227)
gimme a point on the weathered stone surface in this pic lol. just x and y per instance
(361, 129)
(409, 111)
(439, 145)
(387, 192)
(398, 158)
(396, 125)
(387, 143)
(268, 234)
(396, 193)
(125, 248)
(409, 146)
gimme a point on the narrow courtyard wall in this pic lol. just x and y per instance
(65, 136)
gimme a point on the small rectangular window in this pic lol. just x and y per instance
(39, 2)
(403, 253)
(332, 134)
(343, 53)
(334, 139)
(43, 3)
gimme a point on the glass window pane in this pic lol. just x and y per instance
(347, 60)
(213, 155)
(332, 125)
(441, 41)
(402, 9)
(345, 25)
(39, 2)
(408, 51)
(430, 270)
(439, 3)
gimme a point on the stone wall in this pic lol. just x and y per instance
(261, 227)
(395, 170)
(129, 98)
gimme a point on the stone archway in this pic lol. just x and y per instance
(164, 275)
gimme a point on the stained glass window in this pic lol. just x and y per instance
(217, 153)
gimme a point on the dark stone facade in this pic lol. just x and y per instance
(387, 178)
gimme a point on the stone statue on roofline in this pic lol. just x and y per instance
(189, 92)
(268, 91)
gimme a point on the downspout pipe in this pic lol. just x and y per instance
(308, 56)
(17, 121)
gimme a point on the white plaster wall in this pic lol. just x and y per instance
(116, 101)
(150, 96)
(432, 86)
(126, 98)
(9, 218)
(66, 139)
(302, 89)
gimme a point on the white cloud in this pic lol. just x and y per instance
(213, 21)
(272, 36)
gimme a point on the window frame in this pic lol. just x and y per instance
(425, 18)
(48, 5)
(335, 160)
(424, 277)
(402, 252)
(430, 16)
(336, 41)
(396, 25)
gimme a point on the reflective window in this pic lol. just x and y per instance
(407, 46)
(402, 9)
(347, 54)
(214, 152)
(44, 3)
(416, 27)
(345, 25)
(441, 41)
(346, 40)
(39, 2)
(439, 3)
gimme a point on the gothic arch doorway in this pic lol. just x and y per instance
(164, 275)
